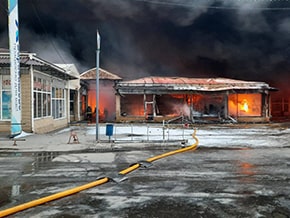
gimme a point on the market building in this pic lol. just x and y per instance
(204, 100)
(45, 93)
(107, 99)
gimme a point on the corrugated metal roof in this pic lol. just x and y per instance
(27, 59)
(91, 74)
(24, 60)
(195, 84)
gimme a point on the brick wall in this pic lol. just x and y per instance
(48, 124)
(27, 101)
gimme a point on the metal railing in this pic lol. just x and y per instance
(133, 132)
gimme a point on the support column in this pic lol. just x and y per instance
(118, 107)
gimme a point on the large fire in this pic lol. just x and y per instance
(106, 103)
(133, 105)
(192, 105)
(245, 105)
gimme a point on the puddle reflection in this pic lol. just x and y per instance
(42, 158)
(246, 169)
(15, 190)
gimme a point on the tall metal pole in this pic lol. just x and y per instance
(13, 27)
(97, 83)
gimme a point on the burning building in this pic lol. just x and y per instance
(195, 99)
(106, 95)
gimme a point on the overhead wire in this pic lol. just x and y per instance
(35, 10)
(192, 5)
(5, 8)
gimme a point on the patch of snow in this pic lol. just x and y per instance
(86, 158)
(211, 137)
(123, 202)
(264, 192)
(23, 134)
(224, 200)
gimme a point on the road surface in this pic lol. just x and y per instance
(209, 182)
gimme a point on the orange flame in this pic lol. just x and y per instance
(245, 106)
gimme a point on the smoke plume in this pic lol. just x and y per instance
(242, 39)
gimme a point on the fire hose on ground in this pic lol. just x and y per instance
(98, 182)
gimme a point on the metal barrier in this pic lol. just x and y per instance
(150, 132)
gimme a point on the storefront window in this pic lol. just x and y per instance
(5, 97)
(58, 102)
(72, 95)
(49, 98)
(42, 97)
(245, 105)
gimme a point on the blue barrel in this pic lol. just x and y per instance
(109, 129)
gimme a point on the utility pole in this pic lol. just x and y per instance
(97, 83)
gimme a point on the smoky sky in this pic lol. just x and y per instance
(239, 39)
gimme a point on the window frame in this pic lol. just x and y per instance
(58, 100)
(5, 88)
(41, 96)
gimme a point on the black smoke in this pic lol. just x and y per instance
(240, 39)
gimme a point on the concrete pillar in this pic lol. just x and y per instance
(118, 107)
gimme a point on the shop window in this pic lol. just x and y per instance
(245, 105)
(58, 102)
(72, 95)
(41, 97)
(5, 97)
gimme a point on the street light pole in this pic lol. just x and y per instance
(97, 83)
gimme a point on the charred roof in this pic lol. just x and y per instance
(177, 84)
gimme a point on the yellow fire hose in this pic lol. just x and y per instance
(150, 160)
(98, 182)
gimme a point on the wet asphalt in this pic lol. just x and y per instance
(209, 182)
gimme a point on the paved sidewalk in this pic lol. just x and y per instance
(58, 141)
(55, 141)
(262, 135)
